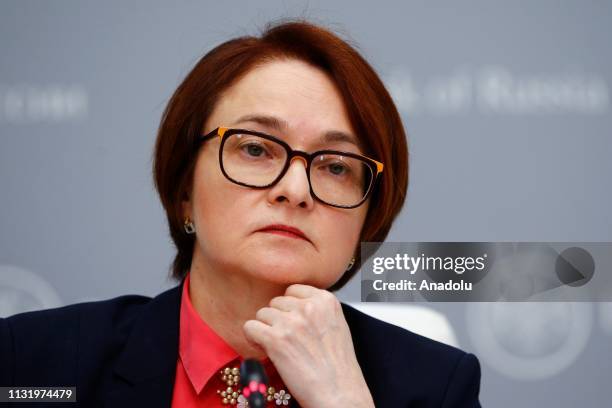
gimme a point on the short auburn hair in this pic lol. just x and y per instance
(371, 112)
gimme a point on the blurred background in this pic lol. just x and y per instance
(508, 110)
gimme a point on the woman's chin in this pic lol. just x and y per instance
(285, 271)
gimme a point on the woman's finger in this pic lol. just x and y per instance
(285, 303)
(269, 315)
(301, 291)
(257, 333)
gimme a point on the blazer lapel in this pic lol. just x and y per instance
(145, 369)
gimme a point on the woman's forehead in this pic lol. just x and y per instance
(283, 116)
(311, 136)
(289, 99)
(282, 87)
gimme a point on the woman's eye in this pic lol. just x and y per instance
(253, 149)
(337, 168)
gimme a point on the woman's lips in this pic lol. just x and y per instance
(282, 232)
(285, 230)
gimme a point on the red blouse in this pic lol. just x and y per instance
(202, 355)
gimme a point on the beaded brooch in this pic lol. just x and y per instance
(233, 396)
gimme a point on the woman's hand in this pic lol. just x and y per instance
(305, 335)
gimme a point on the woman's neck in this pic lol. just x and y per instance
(226, 299)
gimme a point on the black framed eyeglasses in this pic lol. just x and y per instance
(258, 160)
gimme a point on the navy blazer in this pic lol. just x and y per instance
(122, 352)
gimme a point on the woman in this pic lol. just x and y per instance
(275, 158)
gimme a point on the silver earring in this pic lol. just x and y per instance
(350, 265)
(189, 226)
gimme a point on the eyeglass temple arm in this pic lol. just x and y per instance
(220, 131)
(379, 167)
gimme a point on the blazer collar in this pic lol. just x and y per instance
(146, 367)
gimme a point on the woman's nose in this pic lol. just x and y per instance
(293, 187)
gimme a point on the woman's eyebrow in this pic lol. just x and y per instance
(280, 125)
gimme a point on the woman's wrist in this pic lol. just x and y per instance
(356, 395)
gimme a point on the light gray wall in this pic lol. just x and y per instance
(507, 106)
